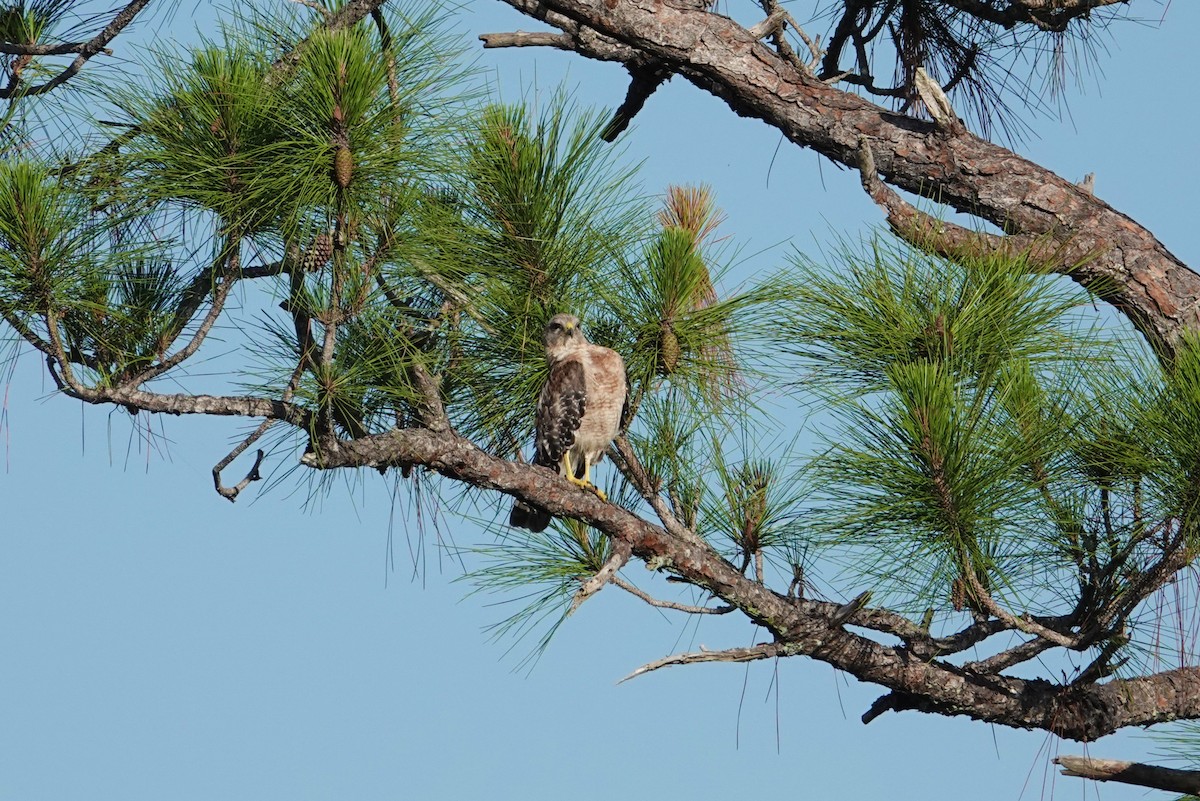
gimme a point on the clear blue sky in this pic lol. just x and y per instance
(161, 643)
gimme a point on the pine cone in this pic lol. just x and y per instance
(318, 253)
(343, 166)
(958, 594)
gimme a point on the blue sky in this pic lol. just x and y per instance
(161, 643)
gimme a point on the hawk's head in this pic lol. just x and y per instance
(562, 334)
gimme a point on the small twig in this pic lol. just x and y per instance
(762, 651)
(385, 41)
(607, 572)
(988, 605)
(231, 493)
(231, 273)
(661, 604)
(637, 475)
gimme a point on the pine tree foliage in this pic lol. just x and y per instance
(393, 243)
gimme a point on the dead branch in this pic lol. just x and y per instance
(231, 493)
(1172, 780)
(763, 651)
(1011, 657)
(661, 604)
(607, 572)
(526, 39)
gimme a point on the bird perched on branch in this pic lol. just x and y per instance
(579, 411)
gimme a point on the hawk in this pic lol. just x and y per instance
(578, 413)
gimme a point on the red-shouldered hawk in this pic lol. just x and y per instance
(579, 411)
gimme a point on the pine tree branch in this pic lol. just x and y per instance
(231, 493)
(800, 627)
(644, 79)
(1152, 287)
(85, 50)
(1030, 649)
(230, 273)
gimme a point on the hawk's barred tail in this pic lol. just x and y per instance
(525, 515)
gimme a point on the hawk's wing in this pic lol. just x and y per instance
(559, 412)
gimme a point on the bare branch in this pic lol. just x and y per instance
(527, 39)
(231, 272)
(763, 651)
(635, 591)
(1030, 649)
(607, 572)
(644, 80)
(231, 493)
(1172, 780)
(219, 405)
(954, 242)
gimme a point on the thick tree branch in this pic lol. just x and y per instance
(800, 627)
(1137, 273)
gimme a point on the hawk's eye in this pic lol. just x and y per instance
(555, 326)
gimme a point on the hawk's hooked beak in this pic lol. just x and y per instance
(568, 326)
